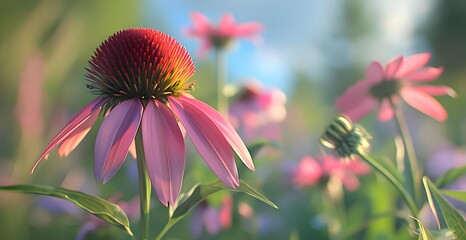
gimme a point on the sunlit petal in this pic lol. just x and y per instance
(424, 103)
(412, 63)
(114, 138)
(226, 128)
(164, 149)
(208, 140)
(84, 116)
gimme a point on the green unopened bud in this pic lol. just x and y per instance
(345, 138)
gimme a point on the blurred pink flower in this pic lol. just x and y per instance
(398, 79)
(141, 77)
(211, 218)
(30, 97)
(310, 171)
(222, 35)
(257, 113)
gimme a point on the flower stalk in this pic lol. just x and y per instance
(410, 164)
(221, 76)
(144, 187)
(348, 141)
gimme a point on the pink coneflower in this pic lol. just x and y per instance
(310, 171)
(222, 35)
(141, 79)
(258, 112)
(383, 88)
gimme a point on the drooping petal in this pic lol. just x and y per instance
(165, 151)
(374, 72)
(68, 144)
(361, 109)
(423, 102)
(208, 140)
(226, 128)
(392, 67)
(354, 96)
(132, 150)
(386, 111)
(412, 63)
(83, 117)
(424, 74)
(114, 138)
(436, 90)
(350, 181)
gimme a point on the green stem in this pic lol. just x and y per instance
(167, 227)
(144, 187)
(411, 166)
(221, 75)
(392, 179)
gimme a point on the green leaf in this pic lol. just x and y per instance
(201, 192)
(447, 216)
(256, 146)
(450, 176)
(424, 233)
(101, 208)
(458, 195)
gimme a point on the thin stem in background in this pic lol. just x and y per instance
(221, 77)
(412, 171)
(144, 187)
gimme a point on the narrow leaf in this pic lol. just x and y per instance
(201, 192)
(447, 216)
(424, 233)
(99, 207)
(450, 176)
(458, 195)
(256, 146)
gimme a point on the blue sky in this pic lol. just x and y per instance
(300, 35)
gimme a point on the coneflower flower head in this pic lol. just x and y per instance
(346, 139)
(141, 79)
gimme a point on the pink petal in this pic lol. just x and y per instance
(226, 128)
(70, 143)
(208, 140)
(227, 24)
(424, 74)
(350, 182)
(358, 167)
(423, 102)
(412, 63)
(354, 96)
(436, 90)
(225, 212)
(201, 24)
(247, 29)
(132, 150)
(164, 150)
(114, 138)
(204, 49)
(374, 72)
(361, 109)
(307, 173)
(386, 111)
(83, 117)
(392, 67)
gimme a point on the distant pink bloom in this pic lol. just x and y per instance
(310, 171)
(30, 98)
(141, 77)
(222, 35)
(257, 112)
(211, 218)
(400, 78)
